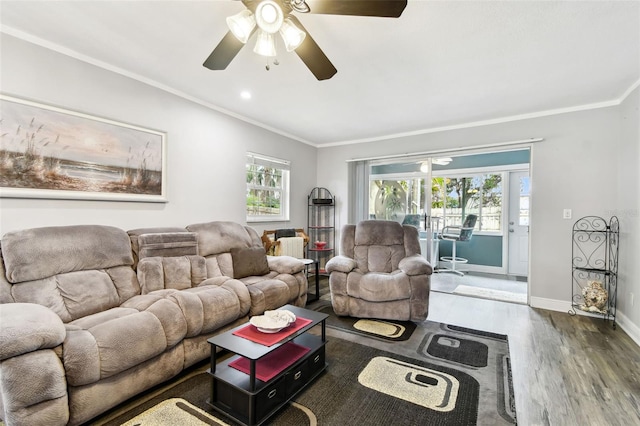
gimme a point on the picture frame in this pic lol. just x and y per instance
(55, 153)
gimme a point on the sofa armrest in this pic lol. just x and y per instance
(33, 385)
(28, 327)
(285, 264)
(341, 264)
(415, 265)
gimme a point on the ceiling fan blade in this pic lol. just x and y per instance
(381, 8)
(312, 56)
(224, 52)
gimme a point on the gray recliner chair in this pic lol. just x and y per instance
(380, 272)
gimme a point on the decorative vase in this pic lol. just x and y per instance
(595, 297)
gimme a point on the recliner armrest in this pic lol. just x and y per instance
(28, 327)
(415, 265)
(341, 264)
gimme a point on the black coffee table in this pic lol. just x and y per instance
(249, 400)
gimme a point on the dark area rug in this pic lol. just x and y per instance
(453, 376)
(377, 328)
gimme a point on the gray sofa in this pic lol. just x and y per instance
(92, 315)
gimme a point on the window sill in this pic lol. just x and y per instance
(266, 219)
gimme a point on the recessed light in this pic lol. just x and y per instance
(245, 94)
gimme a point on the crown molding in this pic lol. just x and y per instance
(104, 65)
(93, 61)
(490, 122)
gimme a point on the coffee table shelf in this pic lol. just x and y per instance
(249, 400)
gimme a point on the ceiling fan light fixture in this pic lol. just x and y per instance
(242, 24)
(292, 35)
(269, 16)
(266, 44)
(299, 6)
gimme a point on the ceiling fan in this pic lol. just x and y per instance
(268, 17)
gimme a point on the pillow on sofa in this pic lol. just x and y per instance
(249, 261)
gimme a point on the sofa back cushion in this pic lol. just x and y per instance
(215, 241)
(175, 272)
(167, 244)
(378, 245)
(74, 270)
(134, 236)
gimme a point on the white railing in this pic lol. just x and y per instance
(491, 219)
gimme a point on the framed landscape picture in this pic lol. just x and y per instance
(50, 152)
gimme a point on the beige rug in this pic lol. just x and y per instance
(486, 293)
(174, 411)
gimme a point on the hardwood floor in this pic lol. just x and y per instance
(567, 370)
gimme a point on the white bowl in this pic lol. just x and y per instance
(267, 324)
(273, 321)
(281, 314)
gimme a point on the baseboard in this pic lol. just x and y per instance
(630, 328)
(549, 304)
(622, 320)
(470, 267)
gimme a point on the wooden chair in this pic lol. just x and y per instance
(271, 243)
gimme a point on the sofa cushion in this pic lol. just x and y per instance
(220, 237)
(167, 244)
(219, 265)
(178, 272)
(76, 294)
(267, 293)
(249, 261)
(38, 253)
(134, 235)
(379, 245)
(378, 287)
(377, 258)
(109, 342)
(208, 307)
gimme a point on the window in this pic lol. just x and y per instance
(525, 191)
(267, 188)
(456, 197)
(452, 199)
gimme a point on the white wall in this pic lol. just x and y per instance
(575, 167)
(588, 162)
(205, 149)
(628, 211)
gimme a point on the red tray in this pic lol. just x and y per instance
(268, 339)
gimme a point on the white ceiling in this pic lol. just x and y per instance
(442, 64)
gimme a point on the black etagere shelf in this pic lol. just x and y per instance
(594, 266)
(321, 219)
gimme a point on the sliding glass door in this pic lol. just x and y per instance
(405, 197)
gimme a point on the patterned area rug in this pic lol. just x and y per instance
(376, 328)
(444, 375)
(174, 411)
